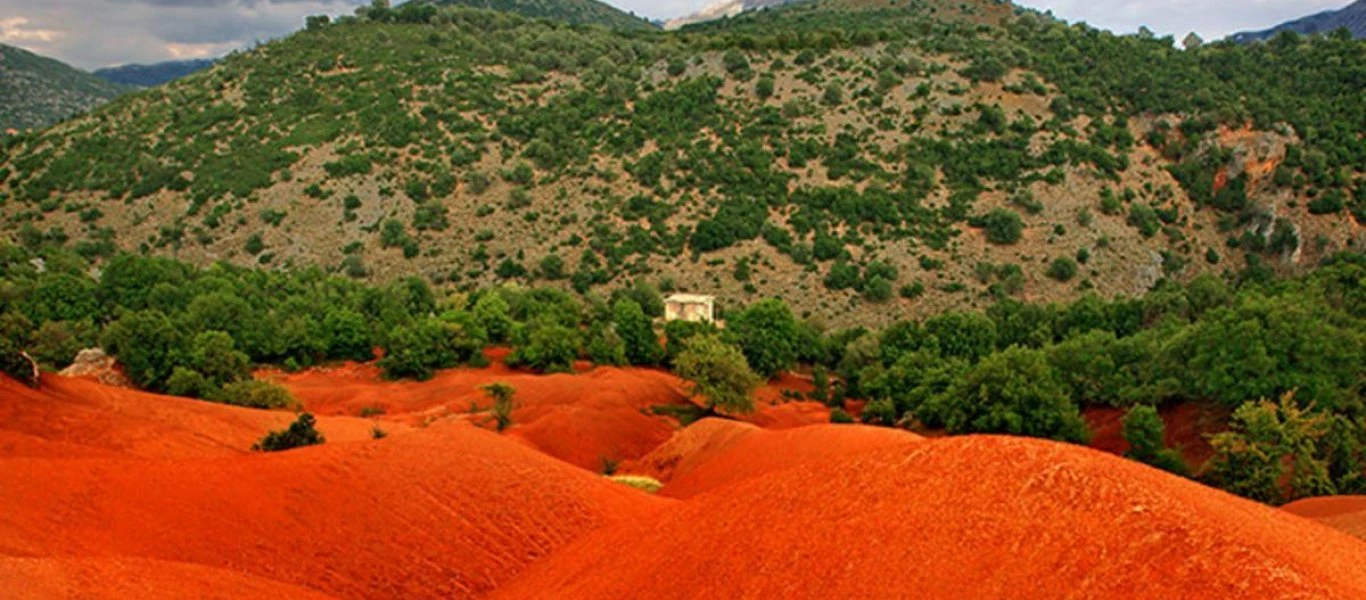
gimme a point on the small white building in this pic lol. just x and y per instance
(695, 308)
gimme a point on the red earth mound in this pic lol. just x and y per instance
(447, 511)
(121, 578)
(969, 517)
(714, 453)
(584, 419)
(73, 417)
(1344, 513)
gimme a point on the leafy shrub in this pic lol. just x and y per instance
(1144, 430)
(1062, 269)
(503, 397)
(254, 394)
(302, 432)
(1002, 226)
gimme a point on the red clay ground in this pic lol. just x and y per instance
(75, 418)
(1344, 513)
(123, 578)
(714, 453)
(446, 511)
(582, 419)
(969, 517)
(111, 493)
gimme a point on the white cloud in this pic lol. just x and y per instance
(16, 30)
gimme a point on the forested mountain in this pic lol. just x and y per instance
(36, 91)
(862, 160)
(154, 74)
(574, 12)
(1352, 18)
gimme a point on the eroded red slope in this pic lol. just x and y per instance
(73, 417)
(124, 578)
(1344, 513)
(583, 419)
(442, 512)
(971, 517)
(714, 453)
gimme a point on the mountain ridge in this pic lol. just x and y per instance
(153, 74)
(1352, 17)
(37, 91)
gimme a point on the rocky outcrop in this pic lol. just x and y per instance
(93, 363)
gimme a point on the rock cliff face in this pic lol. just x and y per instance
(1352, 17)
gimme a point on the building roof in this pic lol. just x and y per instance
(690, 299)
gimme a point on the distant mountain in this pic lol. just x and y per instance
(153, 74)
(1352, 17)
(577, 12)
(36, 91)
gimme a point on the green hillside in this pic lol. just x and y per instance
(920, 156)
(36, 91)
(576, 12)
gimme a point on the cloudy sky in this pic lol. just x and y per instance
(98, 33)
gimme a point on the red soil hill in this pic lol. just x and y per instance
(71, 418)
(582, 419)
(124, 578)
(1344, 513)
(450, 511)
(970, 517)
(714, 453)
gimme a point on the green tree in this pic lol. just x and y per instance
(504, 401)
(214, 355)
(719, 373)
(1144, 430)
(347, 335)
(492, 311)
(416, 351)
(767, 334)
(546, 346)
(1013, 392)
(636, 330)
(1268, 444)
(145, 343)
